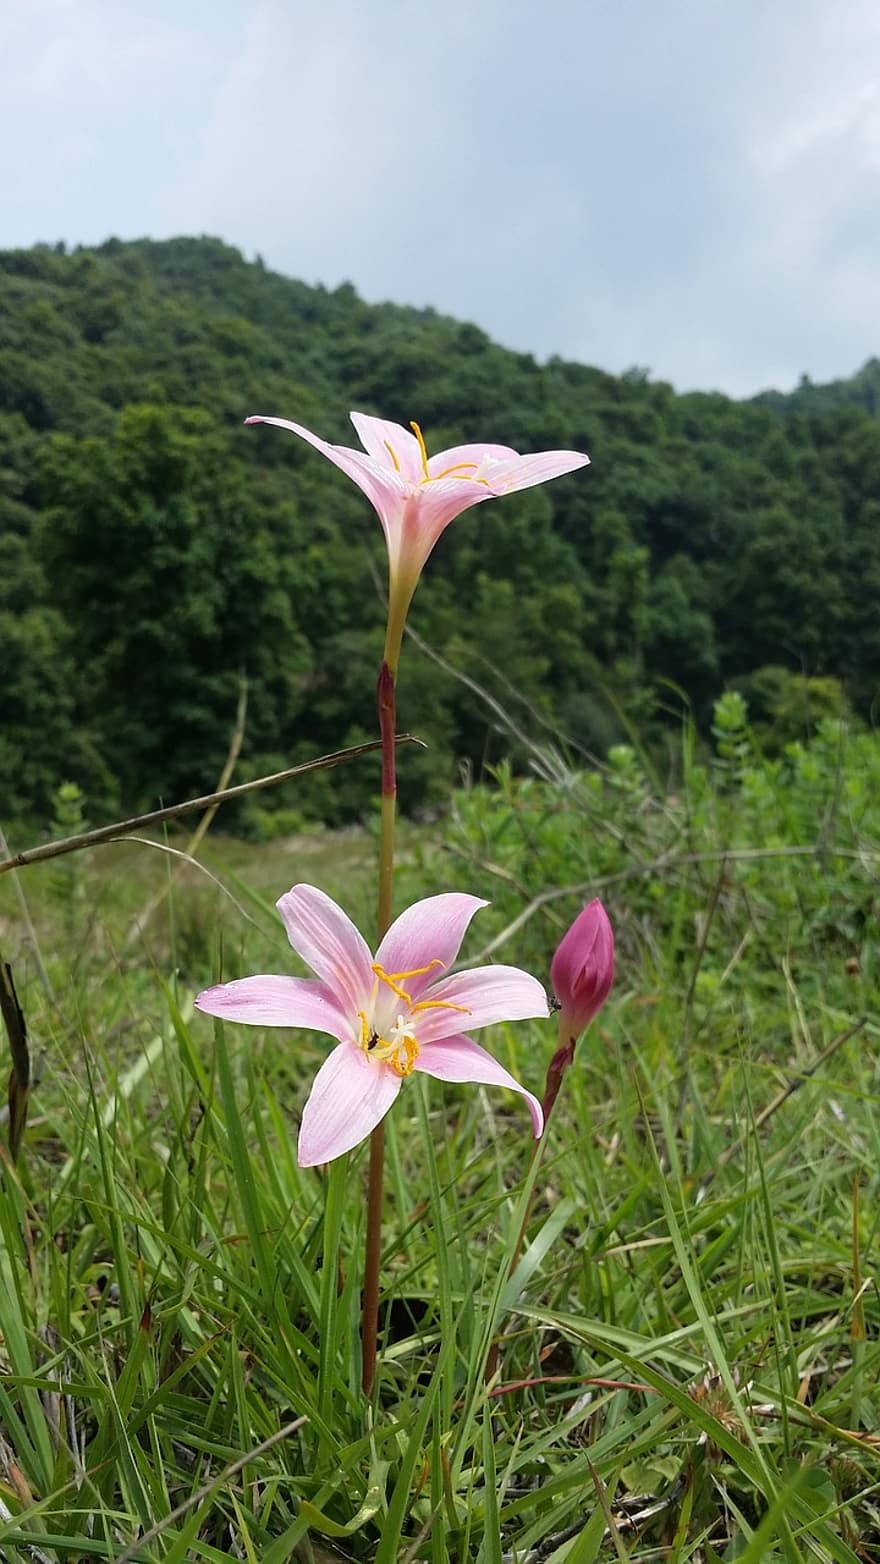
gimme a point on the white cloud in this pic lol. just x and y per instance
(691, 186)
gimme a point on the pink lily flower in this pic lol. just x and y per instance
(416, 495)
(391, 1015)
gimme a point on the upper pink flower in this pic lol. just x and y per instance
(582, 970)
(417, 495)
(391, 1015)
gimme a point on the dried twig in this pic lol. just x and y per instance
(667, 862)
(108, 833)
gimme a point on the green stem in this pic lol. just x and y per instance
(399, 598)
(387, 723)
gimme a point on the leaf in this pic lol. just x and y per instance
(19, 1080)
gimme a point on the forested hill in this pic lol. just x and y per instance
(859, 390)
(151, 547)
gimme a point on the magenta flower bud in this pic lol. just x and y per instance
(582, 970)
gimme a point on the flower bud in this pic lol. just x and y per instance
(582, 970)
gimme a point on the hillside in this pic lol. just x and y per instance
(152, 549)
(859, 390)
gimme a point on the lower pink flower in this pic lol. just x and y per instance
(392, 1015)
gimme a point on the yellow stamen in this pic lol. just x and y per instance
(391, 452)
(439, 1004)
(368, 1036)
(389, 979)
(415, 972)
(457, 468)
(406, 1065)
(393, 979)
(399, 1052)
(421, 439)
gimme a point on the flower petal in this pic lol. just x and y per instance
(413, 529)
(428, 933)
(479, 997)
(522, 472)
(467, 456)
(385, 489)
(461, 1059)
(327, 940)
(390, 444)
(277, 1001)
(350, 1095)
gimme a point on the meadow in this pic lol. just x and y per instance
(687, 1352)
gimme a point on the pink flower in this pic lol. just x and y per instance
(417, 496)
(390, 1016)
(582, 970)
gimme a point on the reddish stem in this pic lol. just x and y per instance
(387, 722)
(555, 1071)
(370, 1326)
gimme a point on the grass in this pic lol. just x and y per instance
(689, 1343)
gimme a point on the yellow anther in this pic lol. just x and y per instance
(369, 1039)
(439, 1004)
(421, 439)
(457, 468)
(393, 454)
(392, 984)
(407, 1064)
(416, 971)
(394, 979)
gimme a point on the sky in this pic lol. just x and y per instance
(689, 186)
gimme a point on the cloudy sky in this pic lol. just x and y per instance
(692, 186)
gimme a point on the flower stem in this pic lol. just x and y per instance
(387, 723)
(370, 1326)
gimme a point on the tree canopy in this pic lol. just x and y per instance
(152, 549)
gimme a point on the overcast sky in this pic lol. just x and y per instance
(692, 186)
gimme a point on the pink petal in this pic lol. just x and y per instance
(429, 513)
(350, 1095)
(461, 1059)
(385, 489)
(277, 1001)
(377, 434)
(485, 994)
(468, 457)
(430, 931)
(412, 529)
(522, 472)
(327, 940)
